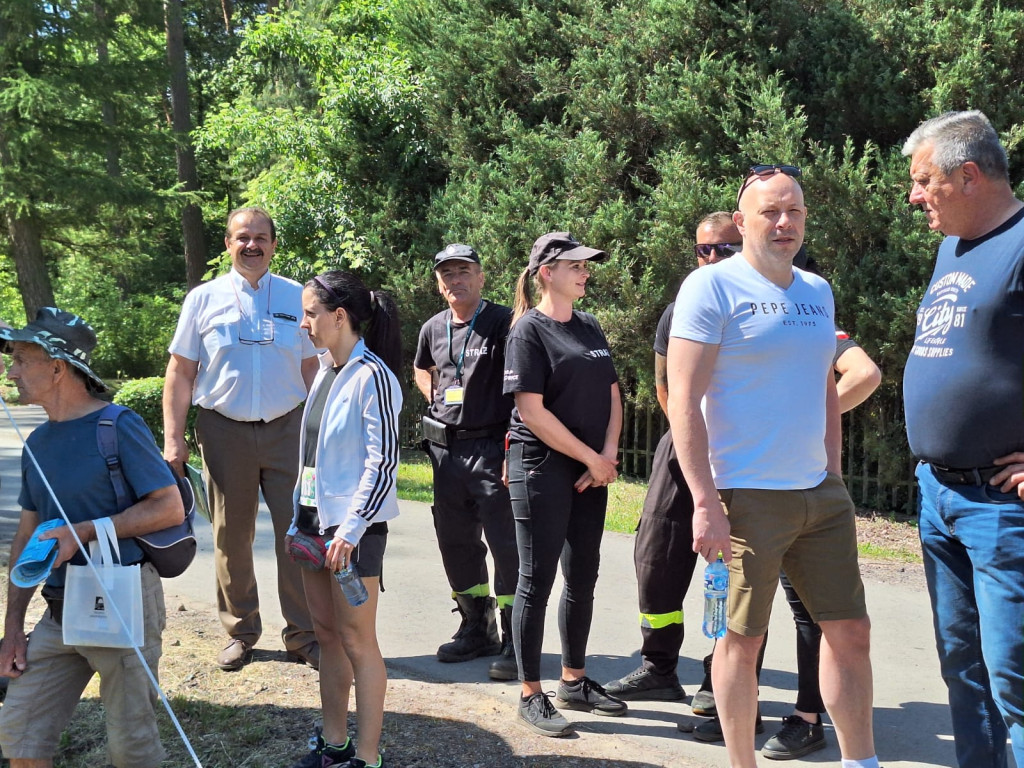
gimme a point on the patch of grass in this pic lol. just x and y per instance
(625, 495)
(877, 552)
(625, 502)
(415, 477)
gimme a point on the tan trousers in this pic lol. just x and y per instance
(40, 703)
(241, 458)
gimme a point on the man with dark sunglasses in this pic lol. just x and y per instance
(662, 554)
(754, 413)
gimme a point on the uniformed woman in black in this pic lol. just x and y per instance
(563, 444)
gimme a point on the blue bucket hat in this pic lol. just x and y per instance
(64, 336)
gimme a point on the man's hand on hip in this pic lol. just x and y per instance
(1012, 475)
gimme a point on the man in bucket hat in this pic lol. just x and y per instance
(50, 365)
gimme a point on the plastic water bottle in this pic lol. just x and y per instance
(351, 585)
(716, 594)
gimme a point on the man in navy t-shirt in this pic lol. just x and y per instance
(965, 421)
(63, 475)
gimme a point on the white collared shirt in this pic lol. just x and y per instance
(248, 343)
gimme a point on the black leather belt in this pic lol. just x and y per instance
(977, 476)
(472, 434)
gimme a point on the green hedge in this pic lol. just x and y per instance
(145, 397)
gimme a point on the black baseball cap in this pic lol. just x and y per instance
(456, 252)
(561, 246)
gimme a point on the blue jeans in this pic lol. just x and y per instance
(973, 544)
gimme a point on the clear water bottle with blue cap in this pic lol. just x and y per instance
(716, 595)
(351, 585)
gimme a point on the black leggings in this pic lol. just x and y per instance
(553, 523)
(808, 649)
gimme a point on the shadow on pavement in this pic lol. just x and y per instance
(268, 735)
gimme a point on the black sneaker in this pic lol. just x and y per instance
(796, 739)
(587, 696)
(703, 702)
(537, 713)
(646, 685)
(711, 731)
(358, 762)
(322, 755)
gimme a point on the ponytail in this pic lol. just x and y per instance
(383, 332)
(372, 314)
(524, 296)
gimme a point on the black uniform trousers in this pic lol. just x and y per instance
(470, 501)
(664, 559)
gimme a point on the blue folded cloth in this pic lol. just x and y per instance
(37, 557)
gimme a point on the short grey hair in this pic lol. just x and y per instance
(958, 138)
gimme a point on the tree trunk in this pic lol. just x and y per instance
(193, 234)
(109, 112)
(225, 9)
(29, 262)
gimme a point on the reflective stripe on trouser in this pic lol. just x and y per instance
(484, 590)
(660, 620)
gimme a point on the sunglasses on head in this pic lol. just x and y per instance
(724, 250)
(764, 172)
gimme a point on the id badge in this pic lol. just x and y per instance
(307, 487)
(453, 395)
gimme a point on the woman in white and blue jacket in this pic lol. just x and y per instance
(346, 493)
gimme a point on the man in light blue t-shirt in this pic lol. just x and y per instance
(754, 414)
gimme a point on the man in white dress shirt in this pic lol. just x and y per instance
(240, 356)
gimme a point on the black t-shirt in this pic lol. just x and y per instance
(570, 365)
(664, 328)
(483, 404)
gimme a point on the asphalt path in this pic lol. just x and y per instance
(911, 715)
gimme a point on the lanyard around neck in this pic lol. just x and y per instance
(465, 342)
(255, 299)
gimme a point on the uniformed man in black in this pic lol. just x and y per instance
(460, 360)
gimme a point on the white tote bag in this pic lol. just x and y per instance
(89, 618)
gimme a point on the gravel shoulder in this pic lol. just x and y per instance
(261, 715)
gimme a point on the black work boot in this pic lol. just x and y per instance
(478, 633)
(504, 667)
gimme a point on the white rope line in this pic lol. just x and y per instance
(107, 596)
